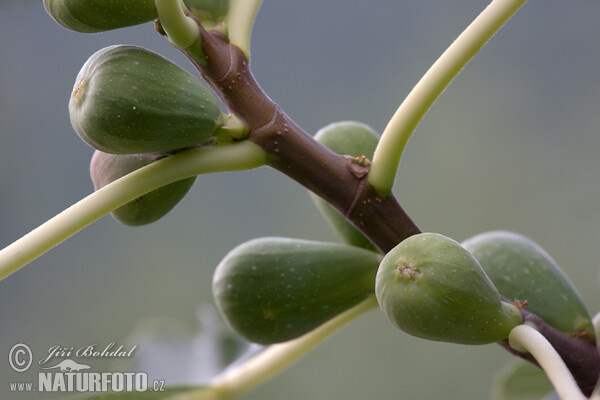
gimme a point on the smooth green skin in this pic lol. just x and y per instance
(523, 270)
(106, 168)
(214, 10)
(273, 290)
(90, 16)
(349, 137)
(353, 139)
(431, 287)
(129, 100)
(520, 380)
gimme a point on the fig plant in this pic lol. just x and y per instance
(155, 128)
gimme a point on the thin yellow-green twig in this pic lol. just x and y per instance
(436, 79)
(596, 323)
(273, 359)
(239, 21)
(524, 338)
(241, 156)
(181, 29)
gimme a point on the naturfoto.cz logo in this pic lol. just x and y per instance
(69, 375)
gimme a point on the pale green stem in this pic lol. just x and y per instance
(181, 29)
(596, 323)
(273, 359)
(524, 338)
(239, 21)
(241, 156)
(411, 111)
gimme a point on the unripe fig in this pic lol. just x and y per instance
(129, 100)
(214, 10)
(106, 168)
(276, 289)
(431, 287)
(100, 15)
(103, 15)
(523, 270)
(354, 139)
(348, 137)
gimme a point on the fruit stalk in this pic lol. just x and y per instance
(241, 156)
(430, 87)
(182, 30)
(525, 338)
(240, 20)
(581, 357)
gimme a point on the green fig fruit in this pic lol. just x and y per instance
(431, 287)
(214, 10)
(276, 289)
(354, 139)
(129, 100)
(349, 137)
(104, 15)
(106, 168)
(100, 15)
(523, 270)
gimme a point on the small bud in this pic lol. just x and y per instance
(106, 168)
(276, 289)
(129, 100)
(523, 270)
(431, 287)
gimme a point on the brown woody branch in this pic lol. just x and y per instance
(335, 178)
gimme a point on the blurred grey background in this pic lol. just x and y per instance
(512, 144)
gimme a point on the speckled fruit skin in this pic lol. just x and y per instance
(100, 15)
(87, 16)
(106, 168)
(129, 100)
(276, 289)
(523, 270)
(431, 287)
(354, 139)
